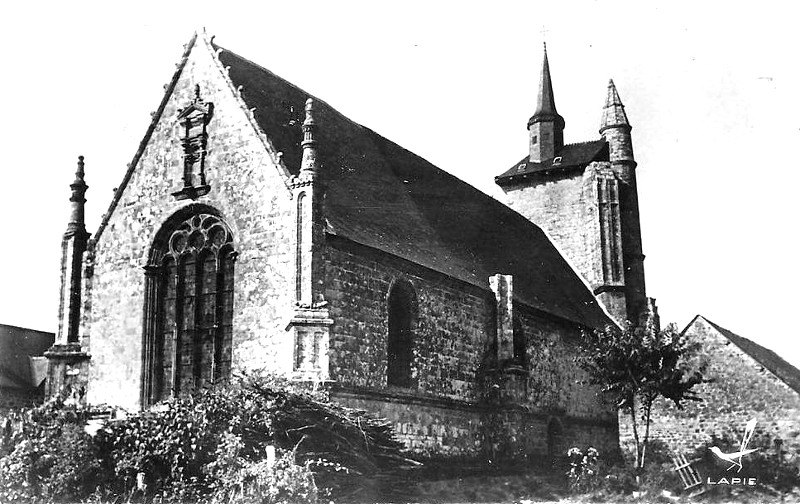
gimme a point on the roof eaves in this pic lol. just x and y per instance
(535, 169)
(538, 309)
(508, 178)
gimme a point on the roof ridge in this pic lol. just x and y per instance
(772, 367)
(585, 142)
(691, 323)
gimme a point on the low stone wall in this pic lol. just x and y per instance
(435, 428)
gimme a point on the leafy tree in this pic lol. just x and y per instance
(634, 365)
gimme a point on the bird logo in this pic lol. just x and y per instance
(735, 458)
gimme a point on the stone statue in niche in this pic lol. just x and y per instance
(194, 121)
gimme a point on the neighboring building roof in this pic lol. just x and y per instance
(383, 196)
(575, 155)
(764, 356)
(17, 346)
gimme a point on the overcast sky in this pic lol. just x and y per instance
(712, 91)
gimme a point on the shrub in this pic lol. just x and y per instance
(48, 455)
(261, 483)
(210, 446)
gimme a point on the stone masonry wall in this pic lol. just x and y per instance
(450, 412)
(248, 190)
(553, 379)
(565, 207)
(452, 323)
(741, 389)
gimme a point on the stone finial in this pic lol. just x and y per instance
(309, 125)
(613, 111)
(309, 144)
(77, 198)
(80, 172)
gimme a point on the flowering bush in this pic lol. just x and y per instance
(583, 472)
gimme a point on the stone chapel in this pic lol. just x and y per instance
(257, 228)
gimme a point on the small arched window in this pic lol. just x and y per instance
(402, 306)
(188, 308)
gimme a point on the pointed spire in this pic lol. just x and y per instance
(545, 103)
(309, 162)
(613, 112)
(545, 127)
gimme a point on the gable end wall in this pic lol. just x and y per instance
(247, 188)
(741, 389)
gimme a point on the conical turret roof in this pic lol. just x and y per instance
(614, 111)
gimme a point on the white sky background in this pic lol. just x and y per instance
(712, 91)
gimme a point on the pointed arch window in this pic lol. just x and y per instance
(402, 314)
(188, 308)
(610, 228)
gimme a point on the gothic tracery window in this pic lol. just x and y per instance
(399, 351)
(188, 309)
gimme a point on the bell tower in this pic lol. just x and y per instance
(584, 196)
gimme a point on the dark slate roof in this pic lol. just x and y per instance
(17, 344)
(385, 197)
(545, 100)
(764, 356)
(571, 156)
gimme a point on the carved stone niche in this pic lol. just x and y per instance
(194, 121)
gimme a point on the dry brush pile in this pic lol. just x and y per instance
(256, 440)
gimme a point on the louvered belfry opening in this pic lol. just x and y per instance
(188, 309)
